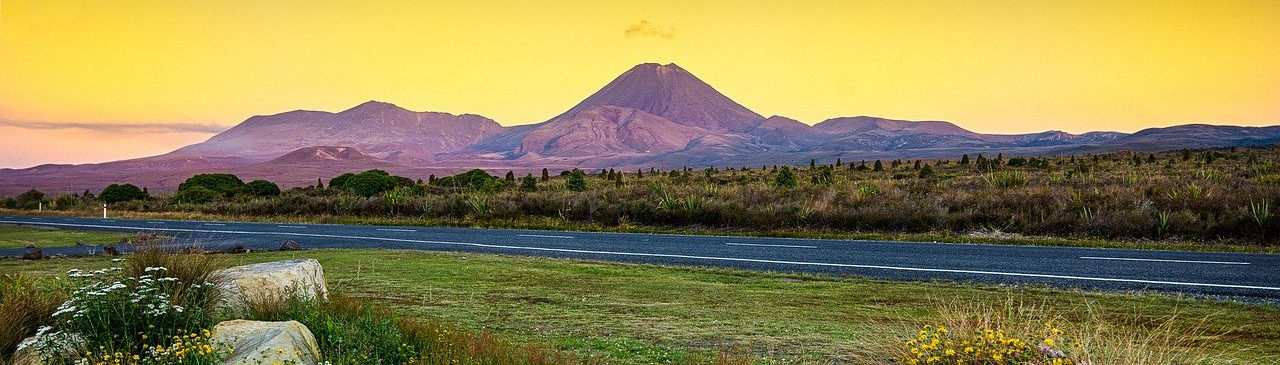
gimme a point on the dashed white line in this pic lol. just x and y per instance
(155, 222)
(214, 224)
(543, 236)
(1163, 260)
(395, 230)
(765, 245)
(292, 226)
(692, 257)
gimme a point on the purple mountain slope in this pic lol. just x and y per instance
(651, 115)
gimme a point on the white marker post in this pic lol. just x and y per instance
(40, 207)
(104, 211)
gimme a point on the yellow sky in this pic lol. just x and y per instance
(989, 66)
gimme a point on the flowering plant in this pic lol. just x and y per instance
(938, 345)
(115, 318)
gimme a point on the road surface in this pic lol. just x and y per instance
(1199, 273)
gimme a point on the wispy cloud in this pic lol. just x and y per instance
(120, 127)
(646, 29)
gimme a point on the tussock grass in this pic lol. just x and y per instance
(1086, 335)
(23, 309)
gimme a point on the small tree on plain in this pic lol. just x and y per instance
(785, 178)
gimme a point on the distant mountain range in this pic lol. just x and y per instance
(651, 116)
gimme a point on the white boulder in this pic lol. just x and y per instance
(271, 281)
(257, 342)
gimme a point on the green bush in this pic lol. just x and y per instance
(476, 180)
(116, 193)
(196, 195)
(528, 183)
(368, 183)
(786, 178)
(224, 184)
(577, 181)
(137, 313)
(262, 188)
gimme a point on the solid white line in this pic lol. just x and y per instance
(214, 224)
(396, 230)
(1161, 260)
(678, 256)
(543, 236)
(292, 226)
(764, 245)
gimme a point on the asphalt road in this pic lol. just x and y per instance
(1199, 273)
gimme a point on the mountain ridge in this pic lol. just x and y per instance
(652, 115)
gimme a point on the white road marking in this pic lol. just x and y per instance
(1161, 260)
(214, 224)
(108, 220)
(678, 256)
(292, 227)
(37, 218)
(396, 230)
(155, 222)
(543, 236)
(764, 245)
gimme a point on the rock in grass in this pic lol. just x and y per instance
(237, 248)
(288, 245)
(256, 342)
(271, 282)
(33, 252)
(110, 250)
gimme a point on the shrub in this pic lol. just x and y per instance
(528, 183)
(139, 314)
(786, 178)
(196, 195)
(1007, 179)
(116, 193)
(262, 188)
(369, 183)
(1016, 332)
(224, 184)
(937, 345)
(577, 181)
(476, 180)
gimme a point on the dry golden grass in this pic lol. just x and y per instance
(1088, 337)
(23, 309)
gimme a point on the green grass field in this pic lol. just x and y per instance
(642, 314)
(18, 237)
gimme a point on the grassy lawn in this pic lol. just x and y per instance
(17, 237)
(640, 314)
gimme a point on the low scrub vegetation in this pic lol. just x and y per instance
(1223, 196)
